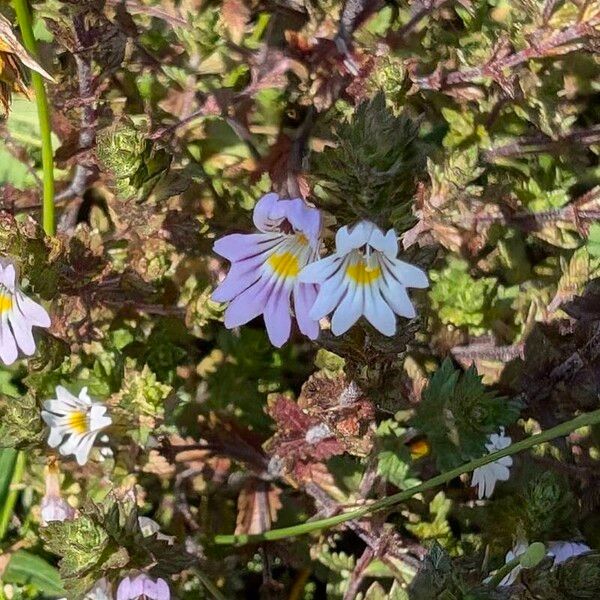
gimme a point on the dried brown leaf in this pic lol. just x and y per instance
(258, 505)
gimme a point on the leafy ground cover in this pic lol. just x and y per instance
(299, 299)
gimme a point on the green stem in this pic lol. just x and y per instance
(11, 496)
(503, 571)
(210, 586)
(561, 430)
(37, 81)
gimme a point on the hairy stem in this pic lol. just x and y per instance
(24, 20)
(591, 418)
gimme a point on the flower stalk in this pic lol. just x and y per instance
(591, 418)
(41, 99)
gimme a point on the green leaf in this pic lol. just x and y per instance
(460, 299)
(594, 240)
(371, 170)
(27, 568)
(438, 527)
(458, 413)
(393, 457)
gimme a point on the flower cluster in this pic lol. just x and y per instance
(363, 277)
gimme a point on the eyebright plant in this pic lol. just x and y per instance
(299, 300)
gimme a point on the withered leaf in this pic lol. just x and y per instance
(258, 505)
(12, 58)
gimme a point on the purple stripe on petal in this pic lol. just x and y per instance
(8, 346)
(349, 310)
(321, 270)
(249, 304)
(22, 332)
(239, 246)
(407, 274)
(330, 294)
(33, 312)
(241, 276)
(378, 312)
(305, 295)
(278, 319)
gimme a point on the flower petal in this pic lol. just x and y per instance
(396, 296)
(407, 274)
(278, 319)
(239, 246)
(321, 270)
(22, 332)
(387, 244)
(268, 212)
(347, 240)
(83, 449)
(349, 310)
(124, 589)
(241, 276)
(249, 304)
(305, 295)
(8, 346)
(304, 218)
(8, 276)
(98, 420)
(378, 312)
(162, 590)
(330, 295)
(34, 313)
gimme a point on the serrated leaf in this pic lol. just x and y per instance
(458, 413)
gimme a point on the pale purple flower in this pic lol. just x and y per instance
(363, 277)
(77, 419)
(562, 551)
(53, 505)
(265, 267)
(485, 477)
(18, 315)
(141, 586)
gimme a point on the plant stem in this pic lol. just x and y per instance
(24, 20)
(210, 586)
(13, 492)
(503, 571)
(591, 418)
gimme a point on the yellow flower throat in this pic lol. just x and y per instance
(363, 274)
(78, 422)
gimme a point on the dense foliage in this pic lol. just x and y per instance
(471, 129)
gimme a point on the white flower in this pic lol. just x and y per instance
(76, 418)
(519, 548)
(363, 277)
(53, 506)
(485, 477)
(562, 551)
(18, 315)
